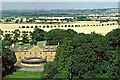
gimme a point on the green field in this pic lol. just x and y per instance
(23, 74)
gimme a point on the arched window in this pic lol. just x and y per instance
(27, 27)
(19, 57)
(65, 25)
(23, 26)
(36, 26)
(47, 26)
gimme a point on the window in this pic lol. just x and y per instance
(43, 26)
(51, 26)
(27, 27)
(39, 26)
(72, 26)
(40, 52)
(19, 57)
(54, 26)
(24, 53)
(31, 26)
(36, 26)
(77, 25)
(68, 25)
(30, 53)
(62, 26)
(47, 26)
(102, 24)
(35, 52)
(25, 48)
(23, 26)
(19, 26)
(65, 25)
(51, 52)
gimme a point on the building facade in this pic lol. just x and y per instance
(47, 52)
(79, 26)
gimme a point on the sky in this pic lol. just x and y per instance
(57, 5)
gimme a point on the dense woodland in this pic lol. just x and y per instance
(79, 55)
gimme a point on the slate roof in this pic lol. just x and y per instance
(27, 48)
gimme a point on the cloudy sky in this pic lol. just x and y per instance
(52, 4)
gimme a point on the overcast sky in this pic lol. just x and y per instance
(57, 5)
(60, 0)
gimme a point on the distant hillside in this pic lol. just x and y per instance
(56, 12)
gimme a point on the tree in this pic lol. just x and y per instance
(38, 34)
(58, 35)
(25, 38)
(114, 38)
(8, 59)
(33, 42)
(16, 36)
(85, 56)
(21, 20)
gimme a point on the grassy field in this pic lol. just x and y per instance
(40, 43)
(23, 74)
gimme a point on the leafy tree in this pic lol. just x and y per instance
(38, 34)
(33, 42)
(21, 20)
(25, 38)
(16, 36)
(55, 36)
(85, 56)
(8, 59)
(58, 35)
(114, 38)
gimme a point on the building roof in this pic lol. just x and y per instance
(35, 48)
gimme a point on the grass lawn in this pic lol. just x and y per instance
(23, 74)
(41, 43)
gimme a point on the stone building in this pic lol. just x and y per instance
(47, 52)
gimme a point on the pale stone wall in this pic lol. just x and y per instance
(50, 56)
(83, 27)
(32, 65)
